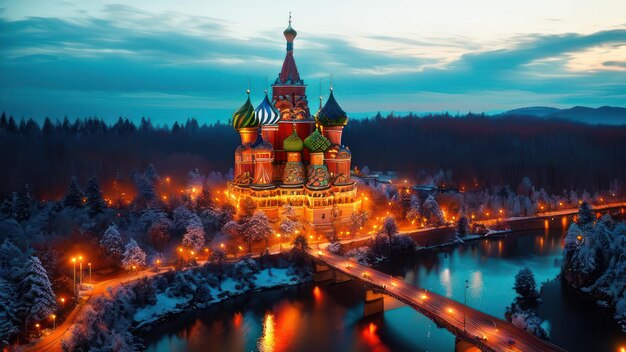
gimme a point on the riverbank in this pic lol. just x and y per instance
(167, 306)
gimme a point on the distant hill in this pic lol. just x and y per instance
(603, 115)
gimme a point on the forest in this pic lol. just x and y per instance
(478, 150)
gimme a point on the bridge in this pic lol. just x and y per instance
(473, 329)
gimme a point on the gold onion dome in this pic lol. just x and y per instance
(245, 116)
(316, 142)
(293, 143)
(331, 114)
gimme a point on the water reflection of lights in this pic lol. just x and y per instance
(317, 294)
(237, 319)
(267, 341)
(371, 338)
(444, 279)
(476, 284)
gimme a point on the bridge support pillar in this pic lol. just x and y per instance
(339, 277)
(464, 346)
(322, 273)
(374, 303)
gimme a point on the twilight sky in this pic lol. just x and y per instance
(171, 60)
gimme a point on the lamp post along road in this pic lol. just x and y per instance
(465, 303)
(81, 270)
(89, 265)
(74, 264)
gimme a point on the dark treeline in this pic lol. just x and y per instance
(555, 154)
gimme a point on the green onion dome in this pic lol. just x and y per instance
(316, 142)
(331, 114)
(293, 143)
(245, 116)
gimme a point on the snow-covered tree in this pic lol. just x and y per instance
(218, 257)
(530, 322)
(95, 202)
(359, 218)
(24, 206)
(10, 257)
(74, 196)
(247, 209)
(389, 228)
(300, 246)
(35, 299)
(289, 222)
(159, 232)
(133, 256)
(585, 214)
(257, 228)
(525, 284)
(462, 226)
(432, 212)
(194, 235)
(111, 242)
(8, 321)
(415, 208)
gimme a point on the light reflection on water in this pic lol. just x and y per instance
(328, 317)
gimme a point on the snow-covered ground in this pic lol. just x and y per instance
(166, 305)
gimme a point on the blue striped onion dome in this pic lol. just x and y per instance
(331, 114)
(245, 116)
(266, 113)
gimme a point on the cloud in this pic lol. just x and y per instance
(170, 65)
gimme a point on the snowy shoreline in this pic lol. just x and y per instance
(166, 307)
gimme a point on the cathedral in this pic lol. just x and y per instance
(289, 156)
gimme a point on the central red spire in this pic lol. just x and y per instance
(289, 91)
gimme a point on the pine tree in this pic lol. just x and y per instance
(74, 196)
(10, 256)
(194, 236)
(8, 321)
(585, 214)
(134, 257)
(256, 228)
(525, 284)
(36, 301)
(95, 202)
(111, 241)
(24, 206)
(389, 228)
(432, 212)
(462, 226)
(414, 211)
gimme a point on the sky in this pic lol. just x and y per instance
(172, 60)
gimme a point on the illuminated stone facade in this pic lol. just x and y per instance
(288, 156)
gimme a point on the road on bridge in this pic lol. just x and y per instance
(466, 323)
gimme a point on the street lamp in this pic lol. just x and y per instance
(89, 265)
(37, 326)
(80, 258)
(54, 321)
(63, 302)
(74, 264)
(465, 302)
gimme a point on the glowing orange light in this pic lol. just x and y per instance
(168, 179)
(450, 310)
(500, 211)
(180, 249)
(240, 248)
(221, 245)
(164, 197)
(311, 236)
(62, 300)
(424, 296)
(73, 260)
(579, 238)
(278, 235)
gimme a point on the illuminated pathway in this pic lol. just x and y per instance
(481, 330)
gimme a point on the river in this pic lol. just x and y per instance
(329, 317)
